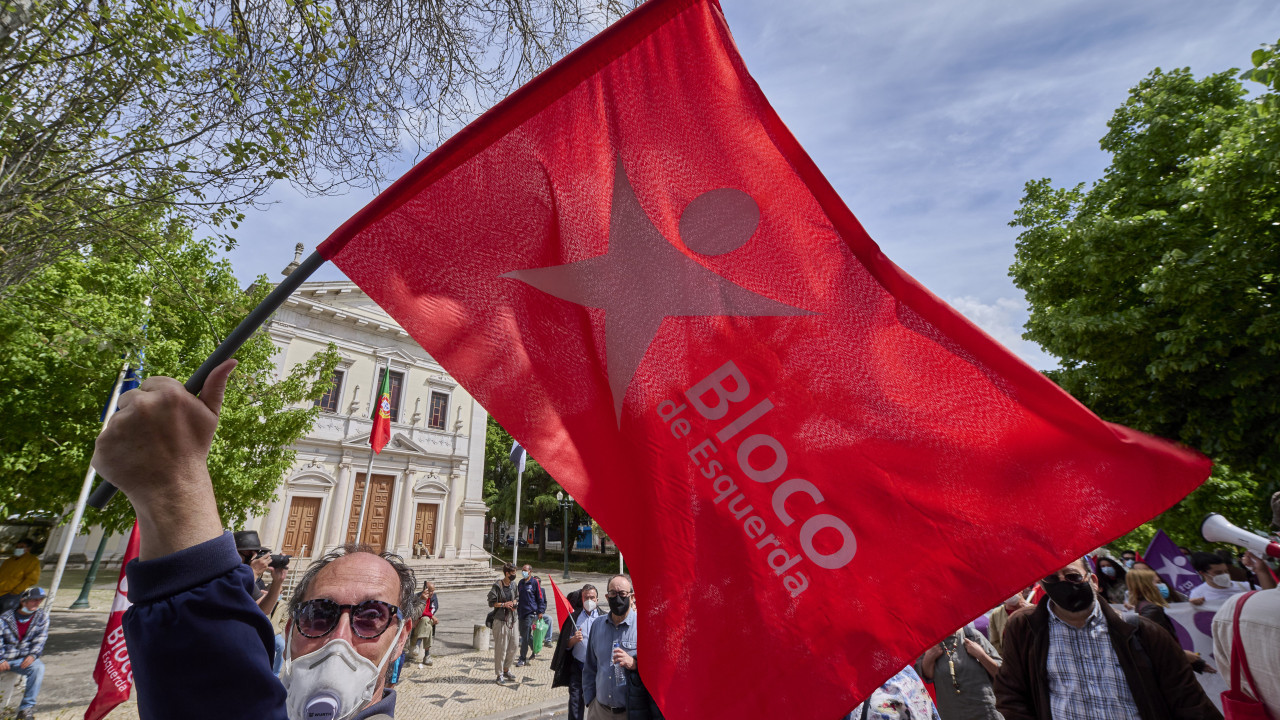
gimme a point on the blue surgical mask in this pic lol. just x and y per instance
(1128, 564)
(524, 573)
(1108, 571)
(1164, 590)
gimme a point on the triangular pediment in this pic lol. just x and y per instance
(398, 444)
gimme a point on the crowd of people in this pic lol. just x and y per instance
(1094, 640)
(1087, 641)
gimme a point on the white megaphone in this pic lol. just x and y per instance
(1216, 528)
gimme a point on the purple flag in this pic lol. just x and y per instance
(1168, 561)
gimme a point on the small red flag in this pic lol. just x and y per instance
(381, 433)
(808, 459)
(112, 672)
(564, 610)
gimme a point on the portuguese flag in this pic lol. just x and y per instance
(382, 416)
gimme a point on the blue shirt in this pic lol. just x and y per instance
(597, 668)
(583, 620)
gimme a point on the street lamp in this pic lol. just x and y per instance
(566, 503)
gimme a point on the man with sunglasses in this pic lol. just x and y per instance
(610, 646)
(1074, 658)
(199, 645)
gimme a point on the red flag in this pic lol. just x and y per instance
(381, 433)
(809, 460)
(112, 672)
(564, 610)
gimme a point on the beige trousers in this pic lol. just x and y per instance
(505, 644)
(596, 711)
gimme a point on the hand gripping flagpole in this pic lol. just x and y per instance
(254, 320)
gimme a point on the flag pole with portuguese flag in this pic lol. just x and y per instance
(378, 437)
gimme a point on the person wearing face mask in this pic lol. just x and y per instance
(17, 573)
(349, 615)
(1128, 558)
(1111, 579)
(531, 607)
(1146, 597)
(566, 669)
(1000, 618)
(502, 598)
(1218, 586)
(1074, 658)
(611, 645)
(574, 634)
(23, 632)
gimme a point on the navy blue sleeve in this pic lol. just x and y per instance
(198, 644)
(542, 598)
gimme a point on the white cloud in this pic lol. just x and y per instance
(1003, 320)
(928, 118)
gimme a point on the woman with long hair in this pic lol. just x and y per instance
(1111, 579)
(1146, 598)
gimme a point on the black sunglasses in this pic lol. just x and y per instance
(1071, 577)
(369, 619)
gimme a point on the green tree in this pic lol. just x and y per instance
(63, 336)
(1157, 286)
(106, 105)
(538, 503)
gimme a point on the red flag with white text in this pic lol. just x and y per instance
(112, 673)
(815, 467)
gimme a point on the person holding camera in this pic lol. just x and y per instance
(260, 560)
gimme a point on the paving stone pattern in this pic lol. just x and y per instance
(458, 686)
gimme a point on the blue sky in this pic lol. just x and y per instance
(928, 117)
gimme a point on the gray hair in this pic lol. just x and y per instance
(410, 603)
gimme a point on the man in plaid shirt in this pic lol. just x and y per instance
(23, 632)
(1073, 658)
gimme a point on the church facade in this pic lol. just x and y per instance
(425, 484)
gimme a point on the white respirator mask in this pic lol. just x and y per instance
(331, 683)
(589, 606)
(1221, 580)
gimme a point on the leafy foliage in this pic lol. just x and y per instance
(106, 105)
(1157, 286)
(538, 503)
(62, 339)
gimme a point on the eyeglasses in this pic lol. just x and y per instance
(1071, 577)
(618, 593)
(369, 619)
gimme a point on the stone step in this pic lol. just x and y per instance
(447, 574)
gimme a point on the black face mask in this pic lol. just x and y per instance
(1072, 597)
(619, 605)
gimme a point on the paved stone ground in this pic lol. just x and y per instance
(458, 686)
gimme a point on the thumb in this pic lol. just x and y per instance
(215, 386)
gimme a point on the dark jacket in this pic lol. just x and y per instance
(640, 704)
(1157, 615)
(1153, 663)
(563, 663)
(532, 598)
(198, 598)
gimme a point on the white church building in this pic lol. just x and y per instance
(428, 480)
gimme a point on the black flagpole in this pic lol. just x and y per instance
(247, 327)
